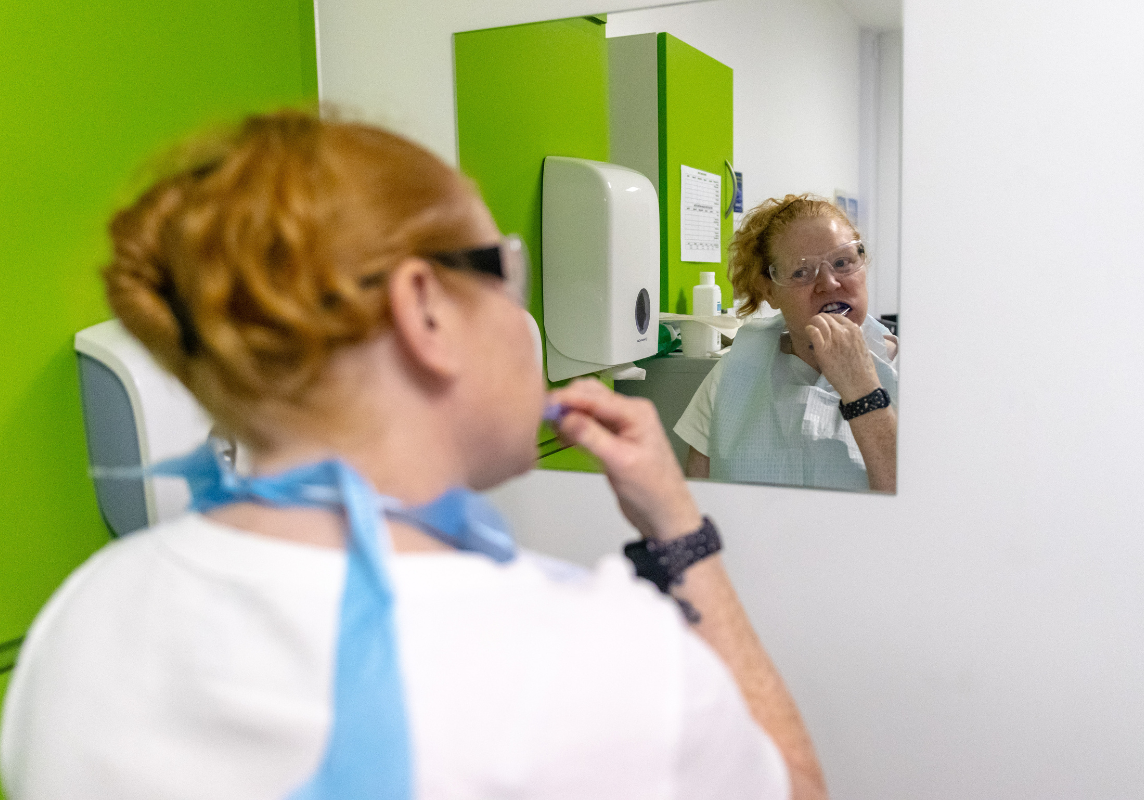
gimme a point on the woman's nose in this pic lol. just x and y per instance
(826, 280)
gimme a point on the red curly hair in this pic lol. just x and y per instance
(243, 271)
(751, 251)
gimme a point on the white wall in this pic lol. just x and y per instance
(795, 88)
(391, 61)
(888, 197)
(979, 635)
(880, 156)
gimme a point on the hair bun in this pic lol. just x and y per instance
(240, 270)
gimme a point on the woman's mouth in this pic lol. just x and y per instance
(834, 308)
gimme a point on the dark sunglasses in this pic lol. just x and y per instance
(507, 261)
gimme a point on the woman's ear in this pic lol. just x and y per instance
(426, 319)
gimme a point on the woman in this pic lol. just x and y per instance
(343, 302)
(805, 398)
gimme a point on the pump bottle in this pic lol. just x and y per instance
(707, 301)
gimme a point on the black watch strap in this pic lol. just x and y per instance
(663, 563)
(879, 398)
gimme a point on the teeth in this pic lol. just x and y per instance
(834, 308)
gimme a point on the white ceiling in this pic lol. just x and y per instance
(878, 14)
(881, 14)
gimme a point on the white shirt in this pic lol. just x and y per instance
(194, 660)
(694, 425)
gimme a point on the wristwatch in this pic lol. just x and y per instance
(879, 398)
(663, 563)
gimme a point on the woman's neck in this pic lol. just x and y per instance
(413, 457)
(411, 462)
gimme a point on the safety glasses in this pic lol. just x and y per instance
(843, 260)
(507, 261)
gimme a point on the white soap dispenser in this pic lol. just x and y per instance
(600, 266)
(135, 414)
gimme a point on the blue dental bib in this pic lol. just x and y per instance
(368, 752)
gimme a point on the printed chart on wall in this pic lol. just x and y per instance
(699, 215)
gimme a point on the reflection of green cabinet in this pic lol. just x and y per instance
(550, 88)
(687, 122)
(525, 92)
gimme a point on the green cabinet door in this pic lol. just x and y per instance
(695, 130)
(525, 92)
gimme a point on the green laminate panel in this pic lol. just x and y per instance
(90, 91)
(696, 130)
(525, 92)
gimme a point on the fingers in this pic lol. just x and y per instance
(581, 429)
(816, 336)
(832, 329)
(626, 435)
(581, 392)
(612, 427)
(843, 355)
(598, 401)
(835, 322)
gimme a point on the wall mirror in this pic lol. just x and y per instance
(707, 100)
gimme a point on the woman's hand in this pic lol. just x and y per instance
(846, 362)
(842, 355)
(626, 435)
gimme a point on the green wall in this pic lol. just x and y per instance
(525, 92)
(696, 125)
(89, 91)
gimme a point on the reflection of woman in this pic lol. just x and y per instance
(344, 303)
(805, 398)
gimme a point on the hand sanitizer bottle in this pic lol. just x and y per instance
(707, 301)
